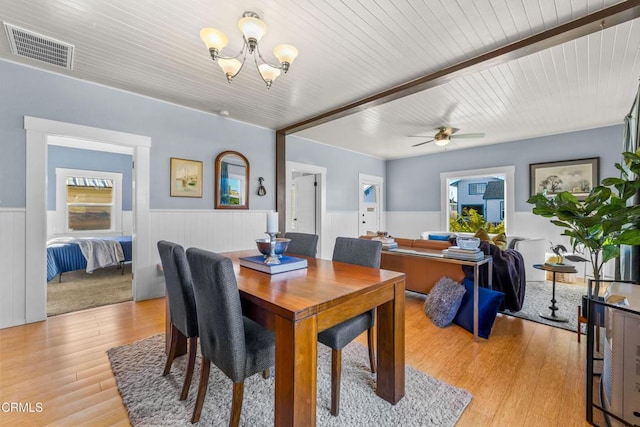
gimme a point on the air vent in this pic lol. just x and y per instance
(41, 48)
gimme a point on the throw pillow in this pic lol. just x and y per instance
(483, 235)
(438, 236)
(489, 302)
(443, 302)
(500, 240)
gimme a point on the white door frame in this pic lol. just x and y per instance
(322, 205)
(364, 179)
(37, 133)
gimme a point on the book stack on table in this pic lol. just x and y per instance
(287, 263)
(388, 243)
(561, 268)
(465, 254)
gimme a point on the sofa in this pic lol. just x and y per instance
(422, 273)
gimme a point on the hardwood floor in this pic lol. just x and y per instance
(526, 374)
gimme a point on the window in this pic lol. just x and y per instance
(88, 201)
(369, 195)
(498, 207)
(477, 188)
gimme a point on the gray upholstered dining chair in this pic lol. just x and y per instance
(182, 306)
(302, 244)
(353, 251)
(238, 346)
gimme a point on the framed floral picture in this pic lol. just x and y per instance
(186, 178)
(576, 176)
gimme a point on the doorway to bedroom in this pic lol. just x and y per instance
(89, 224)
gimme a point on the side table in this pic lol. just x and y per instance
(553, 306)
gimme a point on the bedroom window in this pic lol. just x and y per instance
(88, 201)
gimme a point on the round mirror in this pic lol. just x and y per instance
(231, 181)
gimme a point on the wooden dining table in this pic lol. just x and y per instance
(298, 304)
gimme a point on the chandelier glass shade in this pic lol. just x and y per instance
(253, 29)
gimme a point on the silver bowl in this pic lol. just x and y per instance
(264, 246)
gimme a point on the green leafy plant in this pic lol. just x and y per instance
(472, 222)
(603, 221)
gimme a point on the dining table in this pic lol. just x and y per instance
(299, 304)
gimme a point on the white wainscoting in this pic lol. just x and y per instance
(220, 232)
(207, 229)
(12, 267)
(410, 224)
(338, 224)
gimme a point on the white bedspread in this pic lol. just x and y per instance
(100, 253)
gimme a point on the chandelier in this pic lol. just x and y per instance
(252, 28)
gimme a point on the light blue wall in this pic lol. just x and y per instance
(343, 169)
(73, 158)
(413, 184)
(175, 131)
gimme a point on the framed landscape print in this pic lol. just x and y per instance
(186, 178)
(576, 176)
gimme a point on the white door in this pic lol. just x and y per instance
(295, 170)
(370, 204)
(304, 201)
(369, 212)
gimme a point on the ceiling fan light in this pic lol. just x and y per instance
(285, 54)
(214, 39)
(252, 26)
(441, 142)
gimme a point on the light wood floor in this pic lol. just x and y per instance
(526, 374)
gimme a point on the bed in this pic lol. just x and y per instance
(66, 254)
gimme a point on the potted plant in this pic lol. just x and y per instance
(601, 222)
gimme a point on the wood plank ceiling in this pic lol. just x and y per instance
(352, 49)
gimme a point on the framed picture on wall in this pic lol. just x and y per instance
(186, 178)
(576, 176)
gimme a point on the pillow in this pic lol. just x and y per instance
(500, 240)
(489, 302)
(438, 237)
(443, 301)
(483, 235)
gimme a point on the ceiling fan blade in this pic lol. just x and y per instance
(422, 143)
(469, 135)
(419, 136)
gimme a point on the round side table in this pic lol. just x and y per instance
(553, 317)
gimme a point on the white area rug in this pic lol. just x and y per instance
(537, 299)
(152, 400)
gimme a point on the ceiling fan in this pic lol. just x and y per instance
(444, 135)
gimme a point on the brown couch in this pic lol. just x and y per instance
(421, 272)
